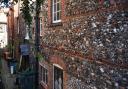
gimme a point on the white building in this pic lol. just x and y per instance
(3, 29)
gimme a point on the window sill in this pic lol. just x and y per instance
(41, 35)
(43, 85)
(55, 24)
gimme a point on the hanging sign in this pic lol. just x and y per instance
(24, 49)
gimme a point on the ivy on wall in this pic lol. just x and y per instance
(26, 12)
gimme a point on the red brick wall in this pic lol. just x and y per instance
(54, 60)
(10, 25)
(49, 12)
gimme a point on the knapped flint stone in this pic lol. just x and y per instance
(105, 33)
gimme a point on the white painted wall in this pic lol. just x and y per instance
(3, 30)
(3, 35)
(3, 17)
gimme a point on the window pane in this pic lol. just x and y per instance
(55, 8)
(58, 6)
(58, 0)
(54, 1)
(41, 28)
(40, 20)
(43, 75)
(46, 76)
(40, 24)
(58, 15)
(42, 72)
(55, 17)
(58, 78)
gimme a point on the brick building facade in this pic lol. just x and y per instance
(84, 43)
(10, 25)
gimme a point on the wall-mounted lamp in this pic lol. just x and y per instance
(27, 36)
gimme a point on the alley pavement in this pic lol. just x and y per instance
(7, 78)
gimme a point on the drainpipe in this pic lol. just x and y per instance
(37, 41)
(13, 34)
(18, 15)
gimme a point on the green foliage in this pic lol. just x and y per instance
(26, 12)
(40, 56)
(10, 47)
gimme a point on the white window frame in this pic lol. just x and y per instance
(41, 25)
(56, 65)
(57, 11)
(44, 74)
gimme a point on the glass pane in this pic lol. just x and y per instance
(40, 23)
(41, 28)
(43, 75)
(58, 15)
(40, 20)
(55, 17)
(58, 6)
(58, 0)
(54, 7)
(46, 76)
(54, 1)
(58, 78)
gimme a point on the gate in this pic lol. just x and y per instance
(27, 80)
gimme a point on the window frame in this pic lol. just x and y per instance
(55, 20)
(60, 68)
(41, 25)
(44, 75)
